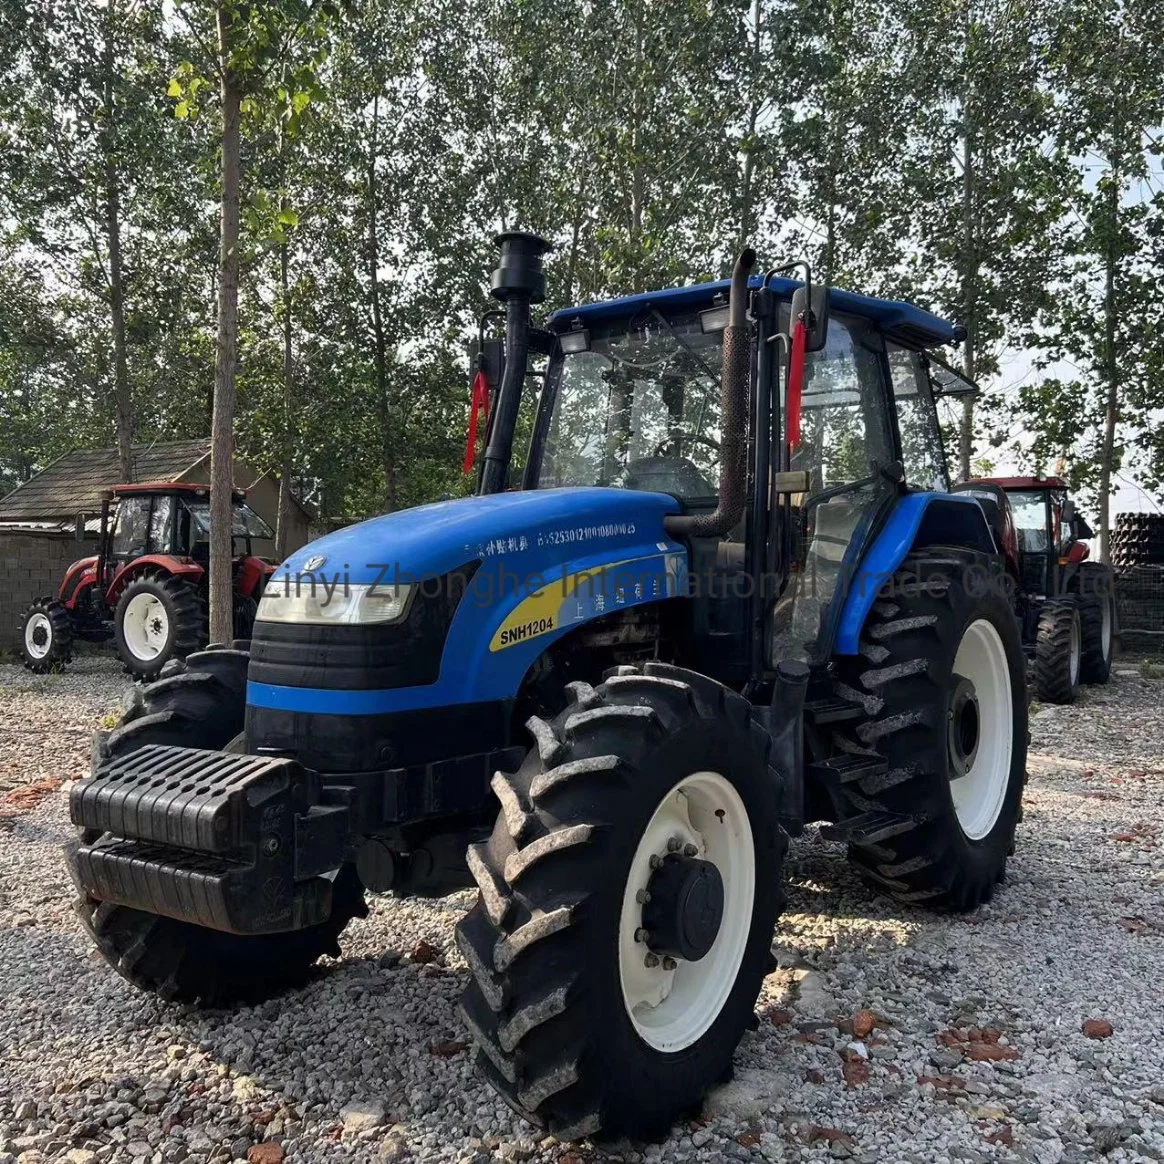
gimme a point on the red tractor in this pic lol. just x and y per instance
(1065, 603)
(146, 586)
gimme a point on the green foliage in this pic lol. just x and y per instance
(989, 158)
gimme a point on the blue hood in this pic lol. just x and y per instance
(538, 528)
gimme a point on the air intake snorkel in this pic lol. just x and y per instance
(518, 282)
(733, 469)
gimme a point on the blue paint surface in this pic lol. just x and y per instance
(886, 553)
(527, 543)
(889, 314)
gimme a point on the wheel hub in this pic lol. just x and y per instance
(683, 908)
(39, 635)
(963, 727)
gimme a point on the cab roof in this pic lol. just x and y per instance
(1021, 482)
(896, 317)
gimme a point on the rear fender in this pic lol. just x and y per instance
(918, 520)
(178, 567)
(251, 573)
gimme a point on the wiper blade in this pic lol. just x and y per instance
(707, 369)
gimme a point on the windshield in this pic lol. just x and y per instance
(640, 409)
(247, 523)
(1030, 518)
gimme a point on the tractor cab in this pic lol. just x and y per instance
(1049, 533)
(1064, 602)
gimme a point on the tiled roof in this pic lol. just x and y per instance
(74, 483)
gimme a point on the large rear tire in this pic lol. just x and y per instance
(46, 636)
(941, 678)
(598, 1002)
(1097, 611)
(201, 704)
(1059, 651)
(158, 618)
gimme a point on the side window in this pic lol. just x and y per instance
(843, 427)
(130, 537)
(162, 525)
(917, 421)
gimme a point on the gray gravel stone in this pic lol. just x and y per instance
(1071, 935)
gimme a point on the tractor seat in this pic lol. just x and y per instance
(675, 475)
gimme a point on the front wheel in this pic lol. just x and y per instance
(201, 704)
(1059, 651)
(46, 636)
(628, 897)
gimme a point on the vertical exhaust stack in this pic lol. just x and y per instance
(733, 468)
(518, 281)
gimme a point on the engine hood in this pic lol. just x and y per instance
(533, 529)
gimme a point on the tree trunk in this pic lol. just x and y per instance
(122, 399)
(379, 339)
(1111, 409)
(222, 424)
(969, 275)
(747, 195)
(283, 518)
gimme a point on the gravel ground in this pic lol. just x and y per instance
(977, 1050)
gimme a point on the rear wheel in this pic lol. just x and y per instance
(46, 636)
(1097, 613)
(200, 704)
(940, 677)
(628, 896)
(1059, 651)
(158, 618)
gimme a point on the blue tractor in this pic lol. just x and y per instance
(727, 594)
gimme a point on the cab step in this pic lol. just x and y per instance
(829, 710)
(847, 769)
(870, 828)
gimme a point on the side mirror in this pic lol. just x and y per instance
(494, 353)
(812, 305)
(1068, 514)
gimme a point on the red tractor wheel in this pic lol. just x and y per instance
(46, 636)
(158, 618)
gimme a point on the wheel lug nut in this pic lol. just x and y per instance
(642, 897)
(689, 850)
(673, 845)
(651, 961)
(669, 963)
(641, 935)
(655, 861)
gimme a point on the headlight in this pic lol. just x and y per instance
(344, 606)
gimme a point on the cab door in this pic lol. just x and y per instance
(848, 448)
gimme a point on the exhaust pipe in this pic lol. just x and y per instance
(518, 282)
(733, 449)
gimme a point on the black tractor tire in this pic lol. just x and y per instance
(200, 703)
(245, 609)
(545, 1004)
(49, 618)
(1058, 651)
(905, 681)
(183, 619)
(1095, 584)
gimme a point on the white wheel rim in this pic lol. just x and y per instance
(980, 793)
(146, 626)
(1076, 637)
(36, 623)
(1105, 628)
(671, 1009)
